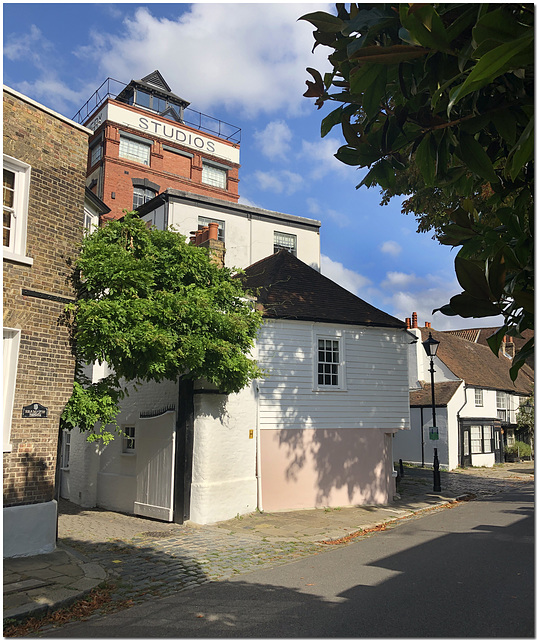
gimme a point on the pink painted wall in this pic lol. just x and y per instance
(309, 468)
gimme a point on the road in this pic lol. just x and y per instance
(461, 572)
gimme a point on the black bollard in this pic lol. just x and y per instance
(436, 472)
(401, 470)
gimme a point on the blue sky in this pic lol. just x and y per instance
(245, 64)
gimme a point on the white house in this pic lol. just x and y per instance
(316, 431)
(475, 399)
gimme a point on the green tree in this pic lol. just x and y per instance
(437, 101)
(525, 417)
(153, 307)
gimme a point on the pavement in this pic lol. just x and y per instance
(138, 559)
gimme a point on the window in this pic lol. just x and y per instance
(96, 153)
(134, 149)
(481, 438)
(328, 362)
(214, 175)
(10, 344)
(141, 195)
(476, 439)
(501, 405)
(66, 449)
(487, 438)
(15, 208)
(129, 439)
(478, 397)
(204, 222)
(91, 222)
(284, 241)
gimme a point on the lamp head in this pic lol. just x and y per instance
(430, 345)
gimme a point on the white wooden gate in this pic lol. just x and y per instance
(155, 459)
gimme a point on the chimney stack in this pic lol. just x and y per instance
(208, 238)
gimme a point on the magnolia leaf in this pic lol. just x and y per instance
(522, 153)
(471, 277)
(467, 306)
(425, 26)
(389, 55)
(324, 21)
(496, 275)
(496, 339)
(491, 65)
(476, 158)
(425, 158)
(330, 121)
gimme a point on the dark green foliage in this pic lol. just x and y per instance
(154, 307)
(437, 101)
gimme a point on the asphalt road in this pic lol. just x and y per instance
(461, 572)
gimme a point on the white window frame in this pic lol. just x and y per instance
(96, 153)
(478, 397)
(214, 175)
(287, 241)
(10, 346)
(129, 439)
(339, 336)
(91, 222)
(65, 458)
(131, 146)
(143, 193)
(16, 251)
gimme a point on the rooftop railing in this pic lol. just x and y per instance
(111, 88)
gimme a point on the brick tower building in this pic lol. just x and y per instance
(146, 141)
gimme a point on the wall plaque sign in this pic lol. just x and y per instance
(35, 410)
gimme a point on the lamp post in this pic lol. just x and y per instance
(431, 347)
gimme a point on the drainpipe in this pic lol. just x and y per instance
(257, 449)
(461, 444)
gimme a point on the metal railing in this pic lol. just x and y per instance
(111, 88)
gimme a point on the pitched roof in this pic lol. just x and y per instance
(477, 365)
(287, 288)
(443, 392)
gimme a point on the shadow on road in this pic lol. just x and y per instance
(476, 582)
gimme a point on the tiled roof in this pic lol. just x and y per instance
(443, 392)
(472, 335)
(477, 365)
(290, 289)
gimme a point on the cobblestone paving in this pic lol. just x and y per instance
(162, 564)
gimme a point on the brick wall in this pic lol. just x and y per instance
(57, 152)
(167, 169)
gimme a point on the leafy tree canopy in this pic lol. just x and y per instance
(153, 307)
(525, 417)
(437, 101)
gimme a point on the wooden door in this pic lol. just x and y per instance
(155, 461)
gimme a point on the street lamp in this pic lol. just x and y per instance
(431, 347)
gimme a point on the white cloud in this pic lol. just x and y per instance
(320, 155)
(281, 181)
(346, 278)
(315, 209)
(274, 141)
(248, 57)
(396, 279)
(391, 247)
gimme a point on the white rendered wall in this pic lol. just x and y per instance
(247, 240)
(30, 529)
(407, 444)
(224, 481)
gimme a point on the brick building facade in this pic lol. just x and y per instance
(45, 158)
(145, 141)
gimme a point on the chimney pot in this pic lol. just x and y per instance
(414, 320)
(213, 230)
(407, 321)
